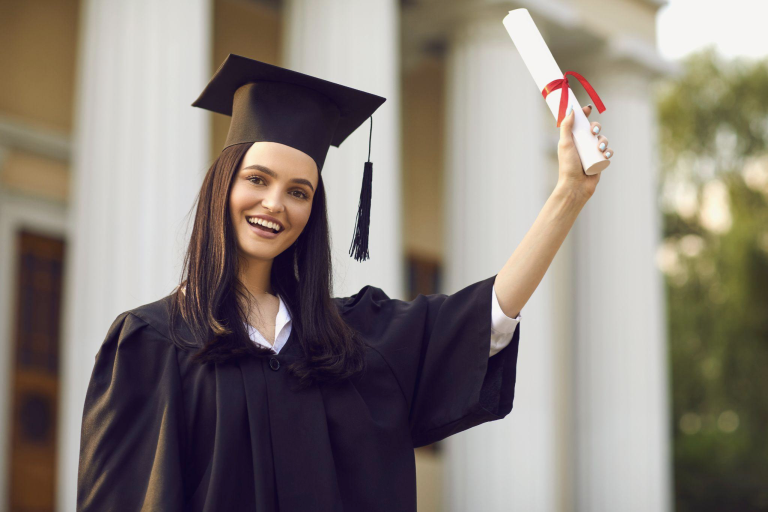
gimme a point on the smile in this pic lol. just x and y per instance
(263, 231)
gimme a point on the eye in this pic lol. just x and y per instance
(258, 180)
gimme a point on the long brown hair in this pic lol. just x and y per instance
(215, 303)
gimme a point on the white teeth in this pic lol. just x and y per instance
(271, 225)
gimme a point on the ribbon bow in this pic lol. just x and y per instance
(562, 83)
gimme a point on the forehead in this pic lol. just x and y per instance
(281, 159)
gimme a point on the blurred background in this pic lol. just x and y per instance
(643, 364)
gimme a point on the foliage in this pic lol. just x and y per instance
(714, 130)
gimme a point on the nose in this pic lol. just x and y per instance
(272, 200)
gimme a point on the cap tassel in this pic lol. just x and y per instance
(359, 247)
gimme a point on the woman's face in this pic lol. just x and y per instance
(278, 183)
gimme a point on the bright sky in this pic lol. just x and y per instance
(735, 27)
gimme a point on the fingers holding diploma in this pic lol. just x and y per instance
(602, 145)
(571, 171)
(602, 140)
(567, 137)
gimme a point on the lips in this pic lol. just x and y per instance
(267, 219)
(273, 227)
(264, 228)
(262, 231)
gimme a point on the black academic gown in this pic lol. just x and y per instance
(162, 433)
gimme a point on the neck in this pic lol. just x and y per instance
(255, 276)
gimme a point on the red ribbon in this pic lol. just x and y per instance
(562, 83)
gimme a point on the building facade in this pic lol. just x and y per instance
(101, 156)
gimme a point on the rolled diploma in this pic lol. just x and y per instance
(543, 68)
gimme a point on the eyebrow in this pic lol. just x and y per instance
(267, 170)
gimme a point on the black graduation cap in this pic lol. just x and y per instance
(274, 104)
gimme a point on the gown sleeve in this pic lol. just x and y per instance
(131, 437)
(437, 347)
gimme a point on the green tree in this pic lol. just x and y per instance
(714, 188)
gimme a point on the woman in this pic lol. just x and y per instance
(249, 387)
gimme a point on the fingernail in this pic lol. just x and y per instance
(568, 112)
(590, 106)
(608, 154)
(602, 146)
(596, 130)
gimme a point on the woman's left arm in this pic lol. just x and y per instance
(525, 269)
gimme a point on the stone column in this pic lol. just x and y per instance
(500, 174)
(356, 44)
(621, 389)
(140, 153)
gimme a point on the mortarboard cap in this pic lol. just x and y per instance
(274, 104)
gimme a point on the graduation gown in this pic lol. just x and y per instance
(163, 433)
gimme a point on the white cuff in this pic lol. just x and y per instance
(502, 327)
(500, 322)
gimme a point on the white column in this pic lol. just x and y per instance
(140, 153)
(500, 174)
(622, 419)
(356, 44)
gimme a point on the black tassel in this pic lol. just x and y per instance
(359, 247)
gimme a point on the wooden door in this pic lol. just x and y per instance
(35, 373)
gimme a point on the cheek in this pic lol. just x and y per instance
(301, 217)
(242, 198)
(238, 199)
(305, 215)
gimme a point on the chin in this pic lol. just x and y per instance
(263, 254)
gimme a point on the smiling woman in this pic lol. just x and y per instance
(190, 407)
(258, 264)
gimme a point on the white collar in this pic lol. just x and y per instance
(282, 327)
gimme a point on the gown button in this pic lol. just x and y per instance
(274, 364)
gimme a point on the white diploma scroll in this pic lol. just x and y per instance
(543, 68)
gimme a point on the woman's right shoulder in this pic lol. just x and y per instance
(156, 314)
(146, 323)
